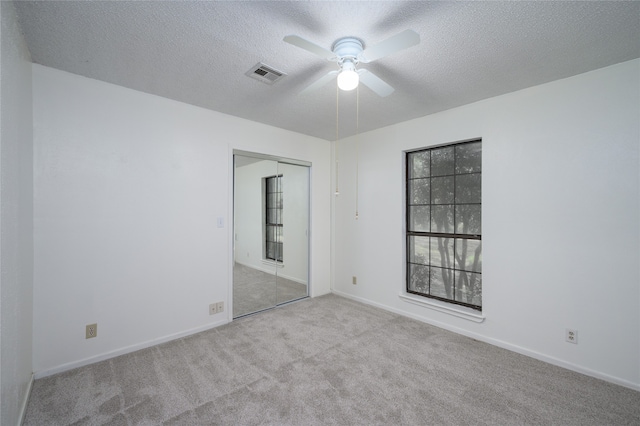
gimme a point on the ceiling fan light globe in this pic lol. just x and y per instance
(348, 80)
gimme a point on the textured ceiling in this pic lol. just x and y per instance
(198, 52)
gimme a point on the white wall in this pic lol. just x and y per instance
(16, 218)
(128, 189)
(249, 218)
(249, 211)
(560, 219)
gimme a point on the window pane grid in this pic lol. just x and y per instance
(451, 270)
(444, 249)
(273, 218)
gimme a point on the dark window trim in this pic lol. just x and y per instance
(279, 244)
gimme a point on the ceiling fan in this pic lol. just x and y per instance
(348, 52)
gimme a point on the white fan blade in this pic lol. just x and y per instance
(320, 82)
(374, 83)
(393, 44)
(309, 47)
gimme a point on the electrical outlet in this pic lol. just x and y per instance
(354, 280)
(220, 306)
(572, 336)
(213, 309)
(91, 331)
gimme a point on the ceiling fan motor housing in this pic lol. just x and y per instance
(348, 48)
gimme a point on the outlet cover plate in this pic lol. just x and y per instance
(213, 309)
(91, 331)
(572, 336)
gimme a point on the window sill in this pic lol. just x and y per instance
(272, 263)
(456, 311)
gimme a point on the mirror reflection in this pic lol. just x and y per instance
(271, 247)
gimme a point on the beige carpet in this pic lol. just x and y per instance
(327, 361)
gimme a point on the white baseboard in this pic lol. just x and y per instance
(25, 401)
(295, 280)
(270, 271)
(122, 351)
(500, 343)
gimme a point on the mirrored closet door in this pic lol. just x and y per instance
(271, 232)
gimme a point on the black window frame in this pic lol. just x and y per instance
(453, 236)
(273, 228)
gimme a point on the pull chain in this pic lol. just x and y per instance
(357, 143)
(337, 134)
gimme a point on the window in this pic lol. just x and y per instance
(273, 218)
(444, 247)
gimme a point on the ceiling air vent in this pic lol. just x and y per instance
(265, 73)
